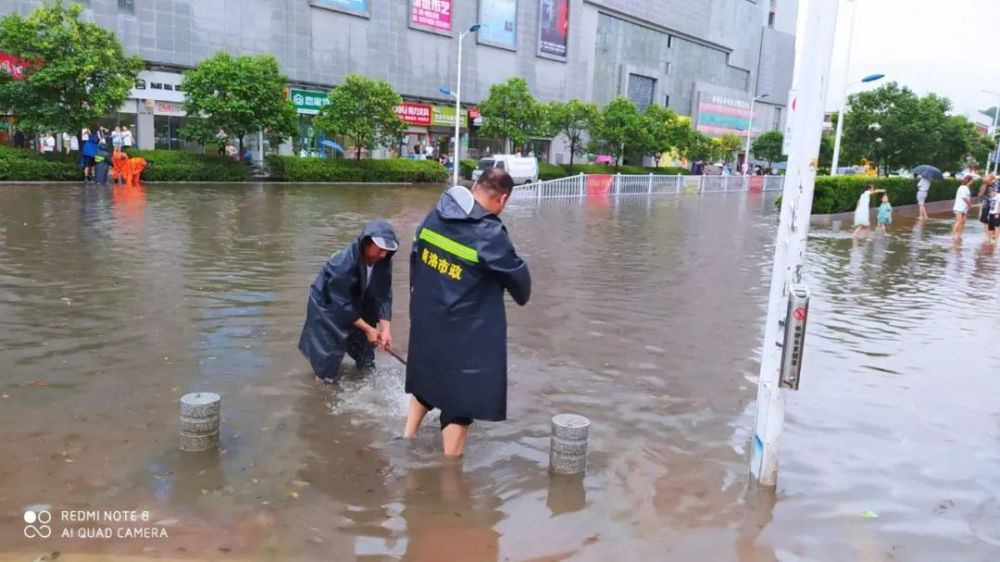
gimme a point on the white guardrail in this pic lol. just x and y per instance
(584, 185)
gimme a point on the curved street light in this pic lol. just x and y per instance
(746, 161)
(840, 119)
(458, 99)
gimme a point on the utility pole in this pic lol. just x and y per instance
(807, 102)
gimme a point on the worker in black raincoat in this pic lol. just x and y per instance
(350, 304)
(461, 265)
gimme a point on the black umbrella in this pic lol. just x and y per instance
(929, 172)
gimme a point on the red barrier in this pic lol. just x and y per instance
(599, 184)
(756, 184)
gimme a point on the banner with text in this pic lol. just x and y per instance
(553, 27)
(499, 19)
(434, 15)
(418, 114)
(307, 102)
(444, 116)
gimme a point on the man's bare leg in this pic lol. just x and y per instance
(414, 417)
(454, 436)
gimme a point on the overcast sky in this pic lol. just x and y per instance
(946, 47)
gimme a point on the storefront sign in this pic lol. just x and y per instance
(434, 15)
(14, 66)
(722, 115)
(444, 116)
(307, 102)
(169, 108)
(499, 19)
(553, 24)
(418, 114)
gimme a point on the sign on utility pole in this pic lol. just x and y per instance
(813, 51)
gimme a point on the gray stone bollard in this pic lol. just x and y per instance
(200, 421)
(568, 448)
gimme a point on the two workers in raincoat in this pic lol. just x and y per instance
(461, 265)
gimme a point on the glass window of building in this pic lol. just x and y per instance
(126, 6)
(640, 90)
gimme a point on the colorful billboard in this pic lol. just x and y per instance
(14, 66)
(553, 27)
(721, 115)
(418, 114)
(355, 7)
(499, 20)
(434, 15)
(444, 116)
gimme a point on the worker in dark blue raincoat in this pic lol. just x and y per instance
(461, 265)
(350, 304)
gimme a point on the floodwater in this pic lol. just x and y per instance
(646, 317)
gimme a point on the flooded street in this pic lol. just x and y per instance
(646, 317)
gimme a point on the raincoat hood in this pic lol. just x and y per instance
(380, 232)
(458, 204)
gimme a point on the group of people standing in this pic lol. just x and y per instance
(989, 214)
(461, 265)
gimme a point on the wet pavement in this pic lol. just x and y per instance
(646, 317)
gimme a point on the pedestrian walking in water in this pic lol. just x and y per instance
(993, 226)
(884, 214)
(862, 213)
(461, 264)
(963, 203)
(350, 304)
(985, 192)
(923, 187)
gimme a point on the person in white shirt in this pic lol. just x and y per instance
(127, 139)
(48, 143)
(963, 202)
(923, 186)
(116, 138)
(994, 219)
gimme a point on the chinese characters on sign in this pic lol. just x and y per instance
(14, 66)
(431, 14)
(434, 261)
(721, 115)
(414, 114)
(306, 102)
(444, 116)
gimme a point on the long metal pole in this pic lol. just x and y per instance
(843, 98)
(746, 159)
(458, 110)
(814, 48)
(996, 156)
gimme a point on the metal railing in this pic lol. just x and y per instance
(584, 185)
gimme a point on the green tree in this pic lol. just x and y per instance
(895, 129)
(980, 146)
(667, 132)
(511, 113)
(76, 71)
(620, 128)
(363, 110)
(702, 147)
(729, 145)
(826, 142)
(239, 95)
(573, 119)
(768, 147)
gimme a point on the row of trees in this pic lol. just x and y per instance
(619, 129)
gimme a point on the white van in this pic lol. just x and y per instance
(521, 169)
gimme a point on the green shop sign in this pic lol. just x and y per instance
(444, 116)
(307, 102)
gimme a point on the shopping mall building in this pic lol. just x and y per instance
(702, 58)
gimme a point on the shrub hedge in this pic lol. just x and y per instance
(162, 165)
(839, 194)
(290, 168)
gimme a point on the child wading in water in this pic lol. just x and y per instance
(884, 213)
(862, 216)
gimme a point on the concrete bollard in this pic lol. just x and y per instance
(200, 421)
(568, 448)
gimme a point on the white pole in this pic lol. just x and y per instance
(814, 47)
(996, 156)
(458, 109)
(746, 159)
(843, 98)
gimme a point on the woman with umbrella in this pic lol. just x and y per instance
(926, 173)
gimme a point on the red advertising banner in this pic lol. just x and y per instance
(14, 66)
(418, 114)
(432, 14)
(599, 184)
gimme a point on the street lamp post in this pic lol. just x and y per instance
(840, 119)
(458, 100)
(753, 104)
(993, 133)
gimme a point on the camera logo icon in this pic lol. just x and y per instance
(37, 524)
